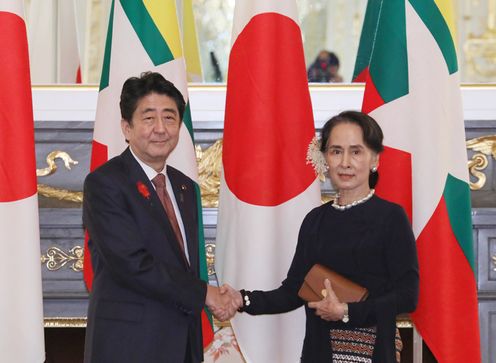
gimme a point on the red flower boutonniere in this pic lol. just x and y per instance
(142, 188)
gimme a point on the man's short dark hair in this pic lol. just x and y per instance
(135, 88)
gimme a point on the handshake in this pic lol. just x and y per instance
(223, 301)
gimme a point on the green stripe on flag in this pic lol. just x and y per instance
(188, 122)
(457, 197)
(148, 33)
(370, 23)
(201, 236)
(201, 242)
(433, 19)
(104, 80)
(390, 52)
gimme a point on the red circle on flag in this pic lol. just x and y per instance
(269, 120)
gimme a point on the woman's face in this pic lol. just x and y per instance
(349, 160)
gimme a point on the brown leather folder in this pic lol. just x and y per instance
(313, 288)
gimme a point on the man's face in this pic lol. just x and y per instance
(154, 130)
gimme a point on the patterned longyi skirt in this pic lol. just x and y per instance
(357, 345)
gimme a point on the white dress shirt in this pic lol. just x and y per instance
(151, 173)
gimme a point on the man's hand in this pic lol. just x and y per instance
(236, 298)
(220, 304)
(329, 308)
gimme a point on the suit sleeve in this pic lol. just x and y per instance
(120, 247)
(401, 294)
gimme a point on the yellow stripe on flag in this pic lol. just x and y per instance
(164, 16)
(447, 10)
(190, 43)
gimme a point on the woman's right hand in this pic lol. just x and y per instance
(329, 308)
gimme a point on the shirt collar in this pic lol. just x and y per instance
(149, 171)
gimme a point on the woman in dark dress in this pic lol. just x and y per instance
(359, 235)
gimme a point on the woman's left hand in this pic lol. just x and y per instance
(329, 308)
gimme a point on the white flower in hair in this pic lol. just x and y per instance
(316, 158)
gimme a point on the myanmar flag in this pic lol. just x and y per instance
(266, 186)
(407, 58)
(144, 36)
(21, 304)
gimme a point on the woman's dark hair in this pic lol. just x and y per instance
(135, 88)
(372, 134)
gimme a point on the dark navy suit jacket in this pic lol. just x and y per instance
(146, 301)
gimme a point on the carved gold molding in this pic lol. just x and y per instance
(55, 258)
(52, 167)
(65, 322)
(404, 321)
(51, 192)
(209, 169)
(478, 162)
(210, 253)
(80, 322)
(484, 145)
(60, 194)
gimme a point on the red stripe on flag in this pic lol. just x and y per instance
(264, 134)
(395, 180)
(78, 75)
(207, 330)
(17, 152)
(371, 98)
(87, 266)
(99, 155)
(446, 315)
(362, 77)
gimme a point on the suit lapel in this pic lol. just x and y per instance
(152, 203)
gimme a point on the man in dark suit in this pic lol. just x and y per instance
(141, 216)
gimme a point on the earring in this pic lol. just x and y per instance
(374, 169)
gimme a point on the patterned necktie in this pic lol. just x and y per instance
(159, 182)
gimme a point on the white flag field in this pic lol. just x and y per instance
(266, 186)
